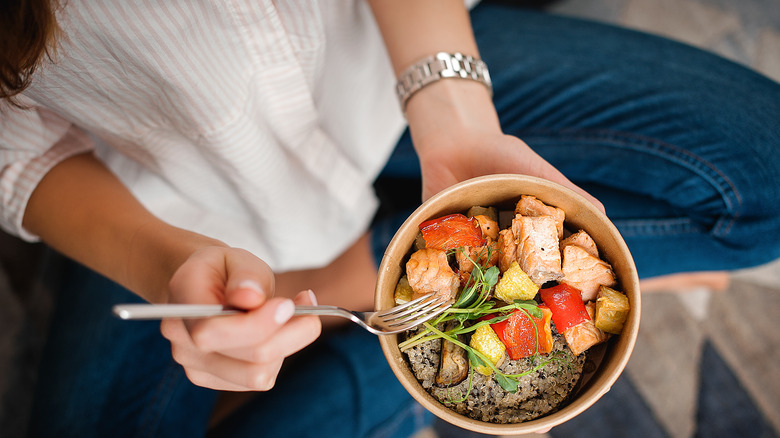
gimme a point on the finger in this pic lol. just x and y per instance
(207, 380)
(291, 338)
(214, 370)
(250, 281)
(200, 279)
(183, 350)
(221, 372)
(243, 329)
(185, 354)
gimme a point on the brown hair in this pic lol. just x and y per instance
(28, 31)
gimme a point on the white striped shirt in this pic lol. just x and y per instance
(259, 123)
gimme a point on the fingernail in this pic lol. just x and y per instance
(312, 297)
(284, 312)
(252, 285)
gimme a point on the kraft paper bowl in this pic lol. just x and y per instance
(503, 191)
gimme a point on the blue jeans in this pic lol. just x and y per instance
(678, 144)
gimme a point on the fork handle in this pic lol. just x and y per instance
(159, 311)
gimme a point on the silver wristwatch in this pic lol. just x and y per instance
(440, 66)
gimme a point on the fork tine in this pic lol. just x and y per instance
(415, 320)
(404, 306)
(417, 316)
(396, 313)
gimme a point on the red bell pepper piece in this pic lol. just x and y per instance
(520, 337)
(566, 304)
(452, 231)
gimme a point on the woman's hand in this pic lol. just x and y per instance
(449, 161)
(241, 352)
(457, 135)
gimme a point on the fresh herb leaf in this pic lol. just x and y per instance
(531, 307)
(467, 297)
(461, 317)
(491, 276)
(509, 384)
(475, 360)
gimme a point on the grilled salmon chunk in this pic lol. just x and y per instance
(585, 272)
(428, 271)
(530, 206)
(466, 256)
(507, 249)
(538, 253)
(583, 240)
(585, 334)
(488, 226)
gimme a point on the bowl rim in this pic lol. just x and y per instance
(603, 379)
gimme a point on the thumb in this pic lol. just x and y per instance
(250, 281)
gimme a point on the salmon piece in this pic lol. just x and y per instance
(585, 334)
(478, 254)
(538, 253)
(428, 271)
(530, 206)
(507, 249)
(488, 226)
(583, 240)
(585, 272)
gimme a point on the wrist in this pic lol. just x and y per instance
(442, 65)
(450, 110)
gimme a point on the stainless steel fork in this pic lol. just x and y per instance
(384, 322)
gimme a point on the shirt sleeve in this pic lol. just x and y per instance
(32, 141)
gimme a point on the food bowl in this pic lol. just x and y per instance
(503, 191)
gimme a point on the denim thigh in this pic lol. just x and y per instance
(679, 144)
(101, 376)
(341, 386)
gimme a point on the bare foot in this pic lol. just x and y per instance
(716, 281)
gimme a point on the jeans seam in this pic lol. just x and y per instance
(643, 227)
(675, 154)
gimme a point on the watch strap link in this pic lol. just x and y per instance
(440, 66)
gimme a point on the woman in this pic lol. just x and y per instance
(235, 150)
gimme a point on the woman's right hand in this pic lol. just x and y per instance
(242, 352)
(81, 209)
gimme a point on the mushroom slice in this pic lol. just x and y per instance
(453, 364)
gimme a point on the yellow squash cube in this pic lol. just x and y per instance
(486, 341)
(515, 285)
(403, 291)
(611, 310)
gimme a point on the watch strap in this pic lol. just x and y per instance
(440, 66)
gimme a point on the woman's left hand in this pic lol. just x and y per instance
(457, 135)
(450, 161)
